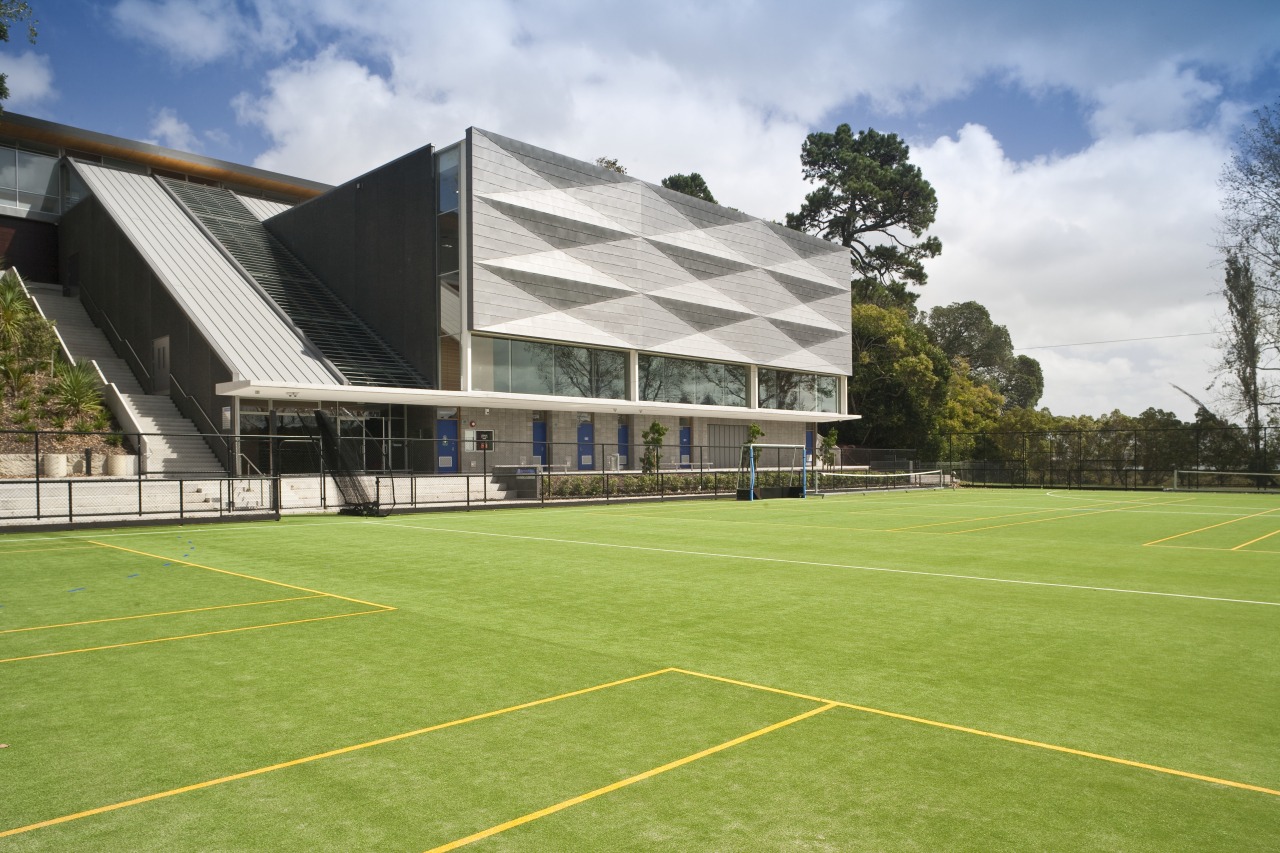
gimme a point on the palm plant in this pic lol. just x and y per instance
(15, 376)
(77, 390)
(15, 310)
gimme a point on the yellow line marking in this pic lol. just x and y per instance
(631, 780)
(7, 551)
(1259, 539)
(1009, 738)
(1127, 505)
(986, 518)
(1206, 548)
(192, 636)
(165, 613)
(238, 574)
(331, 753)
(1095, 503)
(1211, 527)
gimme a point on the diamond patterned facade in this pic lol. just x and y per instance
(565, 250)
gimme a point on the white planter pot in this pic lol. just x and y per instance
(54, 464)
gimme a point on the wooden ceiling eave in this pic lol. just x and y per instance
(155, 160)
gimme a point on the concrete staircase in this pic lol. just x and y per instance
(171, 444)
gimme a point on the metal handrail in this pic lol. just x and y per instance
(135, 362)
(212, 430)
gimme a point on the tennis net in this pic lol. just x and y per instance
(837, 482)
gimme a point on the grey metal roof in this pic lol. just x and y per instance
(262, 208)
(245, 331)
(350, 345)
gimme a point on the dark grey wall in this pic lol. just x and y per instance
(372, 241)
(31, 246)
(117, 285)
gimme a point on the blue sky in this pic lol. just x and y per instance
(1075, 148)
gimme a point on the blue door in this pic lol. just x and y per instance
(686, 446)
(586, 447)
(624, 445)
(540, 443)
(447, 446)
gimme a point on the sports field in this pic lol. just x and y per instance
(940, 670)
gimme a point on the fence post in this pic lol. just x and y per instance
(181, 496)
(323, 505)
(467, 478)
(70, 503)
(37, 451)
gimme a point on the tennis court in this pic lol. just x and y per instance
(900, 670)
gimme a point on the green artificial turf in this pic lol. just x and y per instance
(1018, 613)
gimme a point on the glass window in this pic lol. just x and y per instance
(8, 167)
(448, 170)
(801, 392)
(447, 240)
(826, 393)
(530, 367)
(683, 380)
(573, 372)
(482, 366)
(73, 188)
(733, 391)
(610, 374)
(37, 174)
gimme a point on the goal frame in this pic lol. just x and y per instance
(748, 464)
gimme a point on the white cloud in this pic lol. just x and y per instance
(1108, 244)
(169, 130)
(647, 115)
(197, 32)
(30, 78)
(1168, 98)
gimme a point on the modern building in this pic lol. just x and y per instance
(484, 298)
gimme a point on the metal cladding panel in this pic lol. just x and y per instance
(229, 312)
(569, 251)
(261, 207)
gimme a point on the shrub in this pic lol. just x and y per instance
(77, 390)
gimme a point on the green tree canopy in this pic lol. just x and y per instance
(690, 184)
(871, 199)
(966, 332)
(12, 12)
(899, 382)
(1023, 383)
(611, 164)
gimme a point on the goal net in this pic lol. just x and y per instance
(772, 471)
(839, 482)
(1226, 481)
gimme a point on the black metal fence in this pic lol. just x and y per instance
(80, 499)
(1106, 458)
(73, 477)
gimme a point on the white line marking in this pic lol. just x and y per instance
(713, 554)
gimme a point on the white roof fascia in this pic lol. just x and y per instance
(246, 389)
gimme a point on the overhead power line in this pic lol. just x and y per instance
(1117, 341)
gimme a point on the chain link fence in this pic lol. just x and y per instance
(1111, 458)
